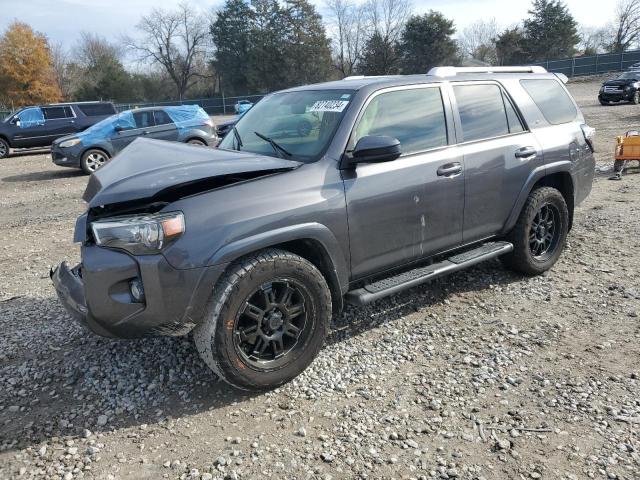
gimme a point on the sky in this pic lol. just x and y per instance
(62, 20)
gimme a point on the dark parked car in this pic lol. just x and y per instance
(625, 88)
(256, 244)
(92, 148)
(40, 126)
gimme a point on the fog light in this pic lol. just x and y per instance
(137, 290)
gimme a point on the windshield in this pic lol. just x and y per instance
(629, 76)
(300, 123)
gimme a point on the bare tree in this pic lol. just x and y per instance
(592, 39)
(347, 29)
(388, 18)
(92, 50)
(60, 63)
(176, 40)
(624, 32)
(478, 40)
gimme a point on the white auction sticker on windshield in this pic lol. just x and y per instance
(329, 106)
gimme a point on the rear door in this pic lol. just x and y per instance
(165, 128)
(134, 124)
(411, 207)
(60, 121)
(499, 153)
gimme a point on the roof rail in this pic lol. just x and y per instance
(452, 71)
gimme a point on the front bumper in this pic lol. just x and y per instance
(97, 293)
(624, 96)
(66, 157)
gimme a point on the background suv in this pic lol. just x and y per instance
(92, 148)
(625, 88)
(40, 126)
(256, 244)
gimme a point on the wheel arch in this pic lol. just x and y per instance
(556, 175)
(313, 242)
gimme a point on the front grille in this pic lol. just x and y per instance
(608, 89)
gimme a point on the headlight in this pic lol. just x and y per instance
(139, 234)
(70, 143)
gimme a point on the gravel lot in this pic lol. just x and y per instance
(484, 374)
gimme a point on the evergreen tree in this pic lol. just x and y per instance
(307, 51)
(510, 47)
(379, 57)
(231, 32)
(550, 31)
(267, 63)
(427, 42)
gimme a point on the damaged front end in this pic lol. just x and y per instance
(125, 287)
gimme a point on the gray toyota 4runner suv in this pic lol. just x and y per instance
(254, 246)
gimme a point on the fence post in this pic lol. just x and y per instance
(224, 105)
(597, 58)
(621, 61)
(573, 66)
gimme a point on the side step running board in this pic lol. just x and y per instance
(391, 285)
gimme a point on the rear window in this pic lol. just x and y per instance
(552, 100)
(96, 109)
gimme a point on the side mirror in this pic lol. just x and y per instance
(376, 149)
(118, 128)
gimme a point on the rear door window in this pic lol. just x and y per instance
(162, 118)
(552, 100)
(144, 119)
(54, 113)
(482, 111)
(415, 117)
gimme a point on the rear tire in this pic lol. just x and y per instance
(92, 160)
(540, 233)
(4, 148)
(266, 320)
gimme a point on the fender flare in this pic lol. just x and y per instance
(306, 231)
(535, 176)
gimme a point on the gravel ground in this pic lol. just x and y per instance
(482, 375)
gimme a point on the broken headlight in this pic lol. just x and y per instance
(139, 234)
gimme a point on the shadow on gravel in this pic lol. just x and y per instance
(67, 379)
(43, 176)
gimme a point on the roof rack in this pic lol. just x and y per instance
(452, 71)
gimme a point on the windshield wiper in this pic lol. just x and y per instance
(276, 147)
(237, 137)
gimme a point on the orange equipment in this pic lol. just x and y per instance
(627, 148)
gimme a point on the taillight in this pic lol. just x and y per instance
(589, 134)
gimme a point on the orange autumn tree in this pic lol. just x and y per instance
(26, 68)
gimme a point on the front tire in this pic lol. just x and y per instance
(266, 320)
(196, 141)
(4, 148)
(604, 103)
(92, 160)
(540, 233)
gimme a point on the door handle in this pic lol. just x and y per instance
(145, 132)
(450, 170)
(526, 153)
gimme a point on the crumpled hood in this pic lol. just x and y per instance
(147, 168)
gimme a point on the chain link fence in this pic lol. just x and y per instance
(593, 64)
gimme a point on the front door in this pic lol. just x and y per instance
(499, 154)
(411, 207)
(30, 129)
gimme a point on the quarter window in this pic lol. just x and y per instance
(515, 125)
(552, 100)
(482, 111)
(415, 117)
